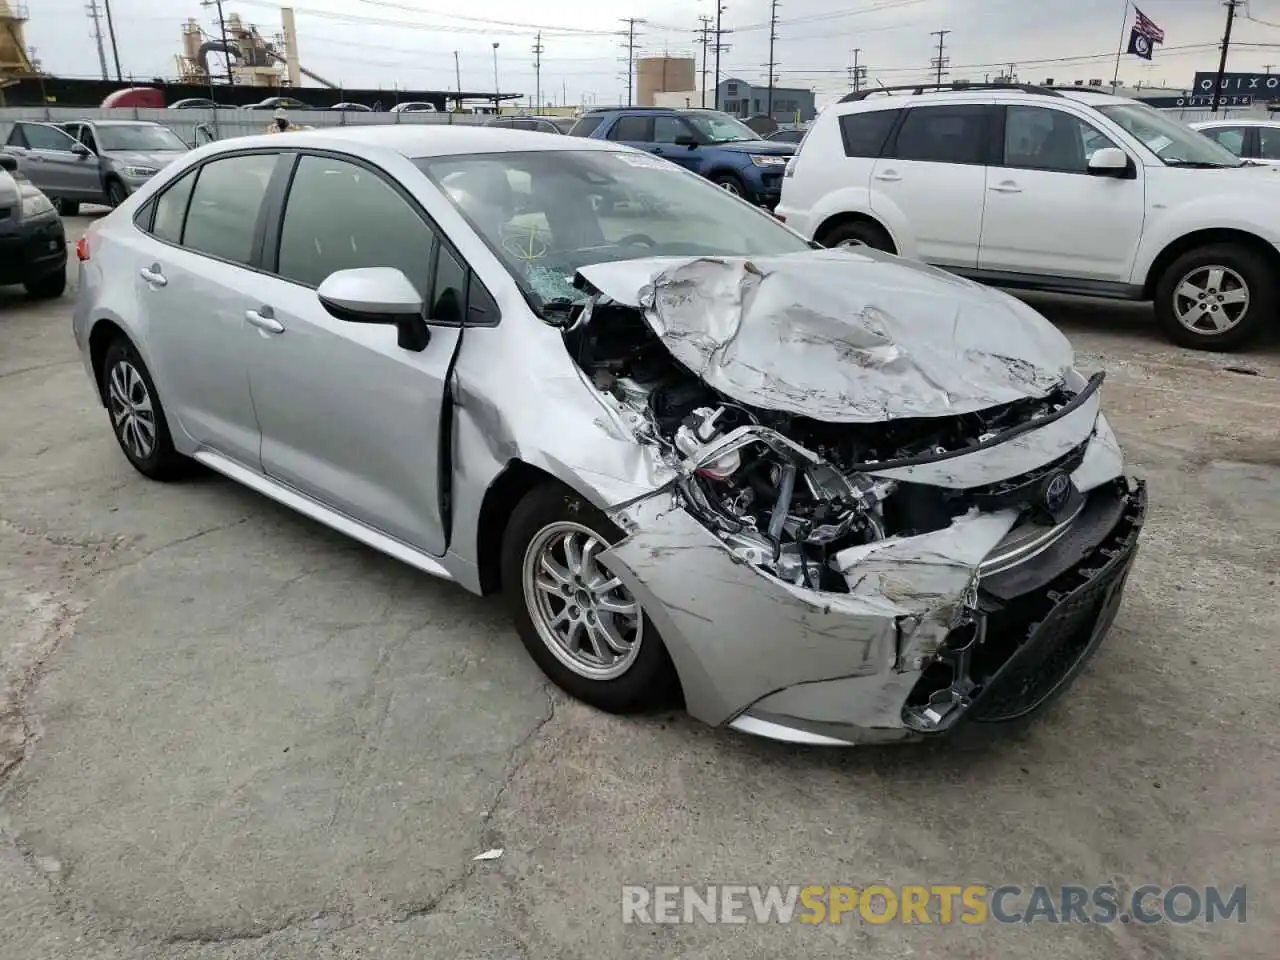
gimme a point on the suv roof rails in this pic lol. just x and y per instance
(918, 88)
(646, 109)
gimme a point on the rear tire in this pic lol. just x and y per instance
(564, 607)
(47, 288)
(137, 416)
(852, 233)
(1217, 297)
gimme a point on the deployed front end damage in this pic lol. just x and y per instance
(886, 516)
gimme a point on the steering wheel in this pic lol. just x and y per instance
(637, 239)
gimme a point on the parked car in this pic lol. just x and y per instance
(786, 136)
(275, 103)
(719, 147)
(92, 161)
(825, 495)
(539, 124)
(33, 245)
(414, 106)
(1039, 188)
(193, 103)
(347, 107)
(1256, 140)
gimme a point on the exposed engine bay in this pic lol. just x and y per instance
(784, 492)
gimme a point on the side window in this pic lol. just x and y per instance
(633, 128)
(84, 133)
(585, 126)
(449, 298)
(666, 129)
(41, 137)
(864, 134)
(945, 134)
(1038, 138)
(1269, 143)
(340, 216)
(16, 137)
(223, 213)
(1230, 137)
(171, 209)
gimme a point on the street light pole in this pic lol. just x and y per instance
(497, 104)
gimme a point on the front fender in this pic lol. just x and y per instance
(1216, 211)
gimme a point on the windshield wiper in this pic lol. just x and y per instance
(1201, 164)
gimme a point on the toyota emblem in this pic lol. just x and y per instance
(1057, 488)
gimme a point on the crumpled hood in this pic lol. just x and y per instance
(843, 336)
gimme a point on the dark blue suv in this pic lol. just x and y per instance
(724, 150)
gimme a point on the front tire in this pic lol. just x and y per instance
(581, 626)
(137, 416)
(731, 184)
(1218, 297)
(116, 193)
(47, 288)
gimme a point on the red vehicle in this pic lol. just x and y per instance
(148, 97)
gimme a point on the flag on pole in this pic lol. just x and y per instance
(1144, 35)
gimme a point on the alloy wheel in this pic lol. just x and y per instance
(132, 411)
(1211, 299)
(588, 620)
(731, 187)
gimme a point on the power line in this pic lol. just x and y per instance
(704, 38)
(939, 62)
(631, 55)
(537, 70)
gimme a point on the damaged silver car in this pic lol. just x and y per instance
(824, 496)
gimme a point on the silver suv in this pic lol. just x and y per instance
(59, 158)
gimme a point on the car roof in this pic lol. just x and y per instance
(427, 139)
(982, 93)
(114, 123)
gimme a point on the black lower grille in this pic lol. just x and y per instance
(1036, 643)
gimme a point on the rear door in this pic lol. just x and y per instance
(931, 178)
(633, 129)
(349, 417)
(190, 275)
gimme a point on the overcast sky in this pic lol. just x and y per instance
(411, 43)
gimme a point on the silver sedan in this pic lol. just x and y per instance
(825, 496)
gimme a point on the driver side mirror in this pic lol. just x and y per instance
(1109, 162)
(80, 150)
(377, 295)
(686, 140)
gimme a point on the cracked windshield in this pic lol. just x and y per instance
(548, 213)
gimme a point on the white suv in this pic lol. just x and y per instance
(1041, 189)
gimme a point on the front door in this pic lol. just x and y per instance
(189, 275)
(45, 158)
(348, 417)
(1046, 215)
(931, 179)
(666, 129)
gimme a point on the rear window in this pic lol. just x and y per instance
(945, 134)
(864, 134)
(585, 126)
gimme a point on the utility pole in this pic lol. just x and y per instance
(457, 72)
(704, 38)
(537, 70)
(631, 56)
(773, 36)
(719, 49)
(111, 30)
(96, 16)
(497, 104)
(856, 73)
(1226, 45)
(939, 62)
(222, 28)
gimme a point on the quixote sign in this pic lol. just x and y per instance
(1256, 86)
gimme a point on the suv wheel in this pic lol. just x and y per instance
(116, 193)
(1218, 297)
(137, 417)
(855, 233)
(727, 181)
(580, 625)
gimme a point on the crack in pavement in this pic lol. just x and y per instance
(40, 366)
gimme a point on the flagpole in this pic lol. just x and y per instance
(1124, 24)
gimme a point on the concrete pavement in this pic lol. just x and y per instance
(227, 732)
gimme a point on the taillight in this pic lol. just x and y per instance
(82, 249)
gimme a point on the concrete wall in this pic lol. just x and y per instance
(223, 123)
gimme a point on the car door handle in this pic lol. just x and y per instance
(889, 175)
(1008, 186)
(263, 320)
(153, 275)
